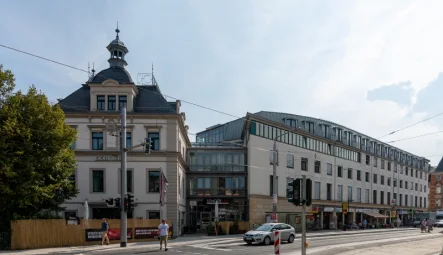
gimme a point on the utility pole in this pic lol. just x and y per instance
(303, 217)
(123, 216)
(274, 180)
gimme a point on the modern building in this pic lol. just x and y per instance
(373, 178)
(435, 188)
(94, 111)
(217, 184)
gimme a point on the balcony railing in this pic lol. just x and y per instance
(217, 192)
(218, 168)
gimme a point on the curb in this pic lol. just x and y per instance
(360, 232)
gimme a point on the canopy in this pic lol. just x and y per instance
(376, 215)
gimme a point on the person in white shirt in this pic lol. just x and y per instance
(163, 229)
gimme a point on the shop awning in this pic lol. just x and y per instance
(376, 215)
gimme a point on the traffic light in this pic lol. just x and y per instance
(148, 146)
(130, 202)
(297, 194)
(110, 202)
(126, 204)
(308, 192)
(117, 202)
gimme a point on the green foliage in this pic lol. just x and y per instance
(36, 161)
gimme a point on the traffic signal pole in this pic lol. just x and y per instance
(303, 217)
(123, 216)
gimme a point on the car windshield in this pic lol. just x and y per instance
(264, 228)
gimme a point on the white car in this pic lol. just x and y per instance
(265, 233)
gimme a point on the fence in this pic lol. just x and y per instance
(34, 234)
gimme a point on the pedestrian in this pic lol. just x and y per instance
(365, 224)
(105, 229)
(163, 229)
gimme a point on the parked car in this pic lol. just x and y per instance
(265, 233)
(438, 223)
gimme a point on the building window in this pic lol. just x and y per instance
(128, 139)
(375, 162)
(382, 164)
(358, 198)
(290, 161)
(154, 181)
(374, 197)
(374, 178)
(154, 215)
(438, 202)
(389, 181)
(288, 181)
(122, 101)
(406, 185)
(304, 164)
(349, 193)
(339, 192)
(317, 166)
(317, 190)
(329, 169)
(97, 141)
(328, 191)
(340, 171)
(111, 103)
(438, 190)
(98, 181)
(382, 180)
(368, 159)
(155, 139)
(366, 177)
(101, 103)
(349, 173)
(358, 175)
(401, 184)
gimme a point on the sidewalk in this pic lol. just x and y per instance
(421, 247)
(188, 240)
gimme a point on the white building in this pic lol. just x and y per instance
(344, 165)
(97, 177)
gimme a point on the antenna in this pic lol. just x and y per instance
(152, 74)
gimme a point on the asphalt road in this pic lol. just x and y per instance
(324, 245)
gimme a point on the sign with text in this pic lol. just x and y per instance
(146, 233)
(108, 158)
(212, 201)
(97, 234)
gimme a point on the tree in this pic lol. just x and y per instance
(36, 161)
(7, 83)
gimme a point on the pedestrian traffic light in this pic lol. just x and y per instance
(296, 196)
(110, 202)
(308, 192)
(130, 202)
(148, 146)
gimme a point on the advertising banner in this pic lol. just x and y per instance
(97, 234)
(146, 233)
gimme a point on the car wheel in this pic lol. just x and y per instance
(291, 239)
(267, 240)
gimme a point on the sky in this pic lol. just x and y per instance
(373, 66)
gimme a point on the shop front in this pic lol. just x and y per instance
(202, 211)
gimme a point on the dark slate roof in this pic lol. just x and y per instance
(439, 168)
(232, 130)
(116, 73)
(148, 100)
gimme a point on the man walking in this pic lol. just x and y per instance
(164, 229)
(105, 228)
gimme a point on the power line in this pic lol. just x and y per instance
(175, 98)
(417, 136)
(395, 131)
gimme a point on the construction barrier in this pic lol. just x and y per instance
(277, 237)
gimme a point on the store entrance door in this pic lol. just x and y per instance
(205, 219)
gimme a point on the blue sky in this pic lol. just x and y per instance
(373, 66)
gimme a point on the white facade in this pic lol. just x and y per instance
(261, 170)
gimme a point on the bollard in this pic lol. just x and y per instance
(277, 236)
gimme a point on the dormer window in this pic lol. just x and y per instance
(122, 101)
(101, 103)
(111, 103)
(291, 123)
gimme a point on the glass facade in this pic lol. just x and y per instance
(270, 132)
(214, 135)
(216, 161)
(217, 186)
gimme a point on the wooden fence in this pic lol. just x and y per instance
(34, 234)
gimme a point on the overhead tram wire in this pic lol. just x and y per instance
(417, 136)
(401, 129)
(175, 98)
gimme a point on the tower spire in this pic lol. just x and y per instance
(117, 31)
(117, 50)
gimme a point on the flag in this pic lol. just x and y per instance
(163, 187)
